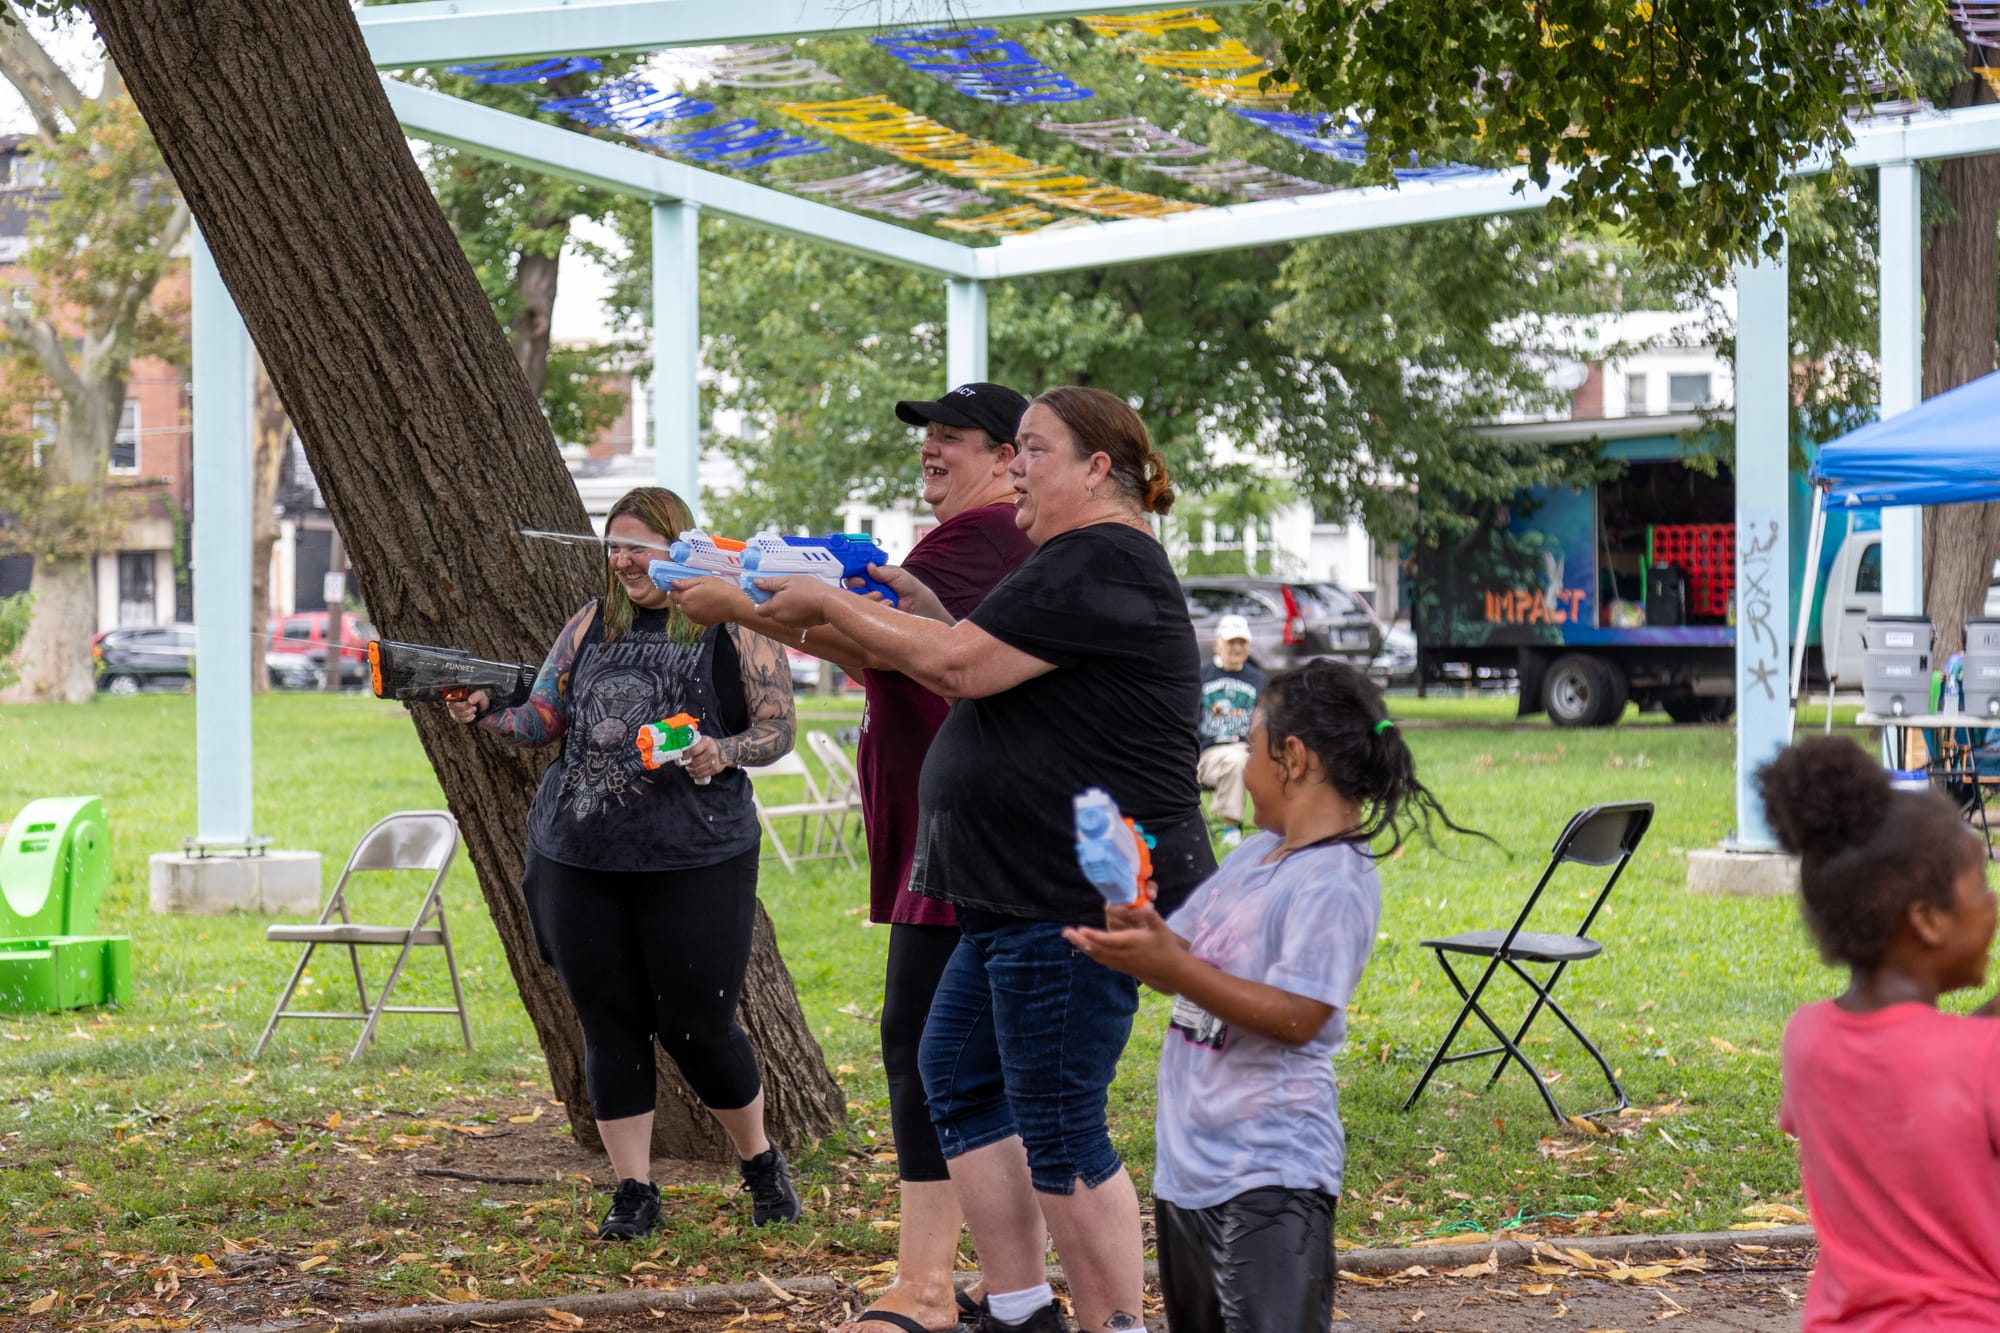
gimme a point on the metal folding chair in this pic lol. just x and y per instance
(812, 813)
(406, 840)
(1604, 835)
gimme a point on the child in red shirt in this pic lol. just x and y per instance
(1896, 1106)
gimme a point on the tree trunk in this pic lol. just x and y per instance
(426, 441)
(55, 652)
(1961, 282)
(271, 433)
(535, 278)
(63, 618)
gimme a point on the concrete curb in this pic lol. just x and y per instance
(1367, 1263)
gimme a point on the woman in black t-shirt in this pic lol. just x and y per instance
(641, 884)
(1079, 670)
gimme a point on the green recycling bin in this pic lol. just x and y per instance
(55, 863)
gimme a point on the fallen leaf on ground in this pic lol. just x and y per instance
(1538, 1288)
(1776, 1212)
(1485, 1268)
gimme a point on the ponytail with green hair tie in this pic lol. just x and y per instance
(1386, 724)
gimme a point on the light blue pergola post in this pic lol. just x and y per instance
(1763, 535)
(222, 421)
(1902, 297)
(965, 331)
(677, 350)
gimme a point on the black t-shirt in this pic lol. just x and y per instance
(996, 828)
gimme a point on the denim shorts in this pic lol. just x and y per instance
(1023, 1038)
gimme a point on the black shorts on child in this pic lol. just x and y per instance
(1261, 1262)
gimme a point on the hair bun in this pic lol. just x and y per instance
(1159, 494)
(1824, 796)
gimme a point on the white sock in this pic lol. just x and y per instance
(1014, 1307)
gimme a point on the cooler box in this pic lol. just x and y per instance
(1980, 678)
(1666, 595)
(1896, 665)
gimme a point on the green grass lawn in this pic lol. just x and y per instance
(148, 1130)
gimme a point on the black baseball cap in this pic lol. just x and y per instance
(993, 408)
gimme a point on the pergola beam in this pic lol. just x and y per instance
(440, 32)
(456, 123)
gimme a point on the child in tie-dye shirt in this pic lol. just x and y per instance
(1262, 960)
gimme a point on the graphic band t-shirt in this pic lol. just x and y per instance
(960, 560)
(599, 807)
(1897, 1114)
(996, 829)
(1239, 1111)
(1227, 700)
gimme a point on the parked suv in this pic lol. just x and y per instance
(133, 658)
(304, 633)
(144, 657)
(1291, 620)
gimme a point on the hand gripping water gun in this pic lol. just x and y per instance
(697, 554)
(417, 673)
(668, 742)
(834, 559)
(1115, 853)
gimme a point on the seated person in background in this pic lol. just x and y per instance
(1229, 686)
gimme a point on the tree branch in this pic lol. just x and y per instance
(123, 307)
(41, 338)
(52, 99)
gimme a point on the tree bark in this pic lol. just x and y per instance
(55, 652)
(1961, 266)
(64, 615)
(430, 449)
(271, 432)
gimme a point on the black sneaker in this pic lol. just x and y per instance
(635, 1211)
(769, 1180)
(1048, 1319)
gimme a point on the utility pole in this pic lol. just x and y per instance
(336, 614)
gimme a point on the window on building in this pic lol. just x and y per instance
(23, 298)
(1686, 392)
(867, 528)
(125, 445)
(25, 169)
(1635, 394)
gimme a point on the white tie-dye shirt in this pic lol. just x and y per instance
(1239, 1111)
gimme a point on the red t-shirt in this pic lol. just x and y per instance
(1897, 1114)
(960, 560)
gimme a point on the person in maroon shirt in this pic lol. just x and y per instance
(968, 444)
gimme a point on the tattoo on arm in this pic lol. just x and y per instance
(767, 690)
(545, 716)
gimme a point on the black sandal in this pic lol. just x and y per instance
(967, 1306)
(901, 1322)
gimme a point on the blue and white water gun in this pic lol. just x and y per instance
(835, 560)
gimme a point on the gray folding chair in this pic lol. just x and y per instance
(812, 813)
(406, 840)
(1604, 835)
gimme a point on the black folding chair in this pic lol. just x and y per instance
(1604, 835)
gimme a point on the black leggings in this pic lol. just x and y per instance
(652, 954)
(917, 955)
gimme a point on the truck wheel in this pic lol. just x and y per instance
(1692, 708)
(1583, 691)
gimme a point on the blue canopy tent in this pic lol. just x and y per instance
(1944, 451)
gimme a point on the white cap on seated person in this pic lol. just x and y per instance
(1232, 627)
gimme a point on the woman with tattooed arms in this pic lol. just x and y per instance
(642, 884)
